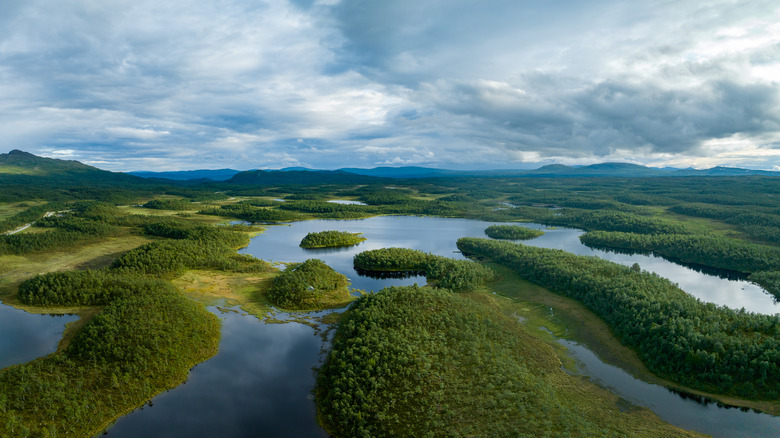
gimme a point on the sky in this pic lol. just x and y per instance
(490, 84)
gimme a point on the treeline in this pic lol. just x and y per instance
(250, 213)
(411, 362)
(678, 337)
(170, 204)
(308, 285)
(329, 209)
(458, 275)
(391, 259)
(769, 280)
(230, 236)
(331, 239)
(66, 233)
(609, 220)
(512, 232)
(708, 250)
(69, 224)
(82, 288)
(199, 247)
(171, 258)
(760, 225)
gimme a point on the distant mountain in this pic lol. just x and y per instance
(186, 175)
(601, 169)
(299, 177)
(19, 167)
(24, 163)
(723, 171)
(406, 172)
(623, 170)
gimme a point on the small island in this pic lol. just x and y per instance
(331, 239)
(311, 285)
(512, 232)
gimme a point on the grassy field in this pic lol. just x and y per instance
(215, 288)
(15, 269)
(9, 209)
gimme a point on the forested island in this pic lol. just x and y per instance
(331, 239)
(311, 285)
(117, 249)
(512, 232)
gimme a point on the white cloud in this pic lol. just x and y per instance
(184, 84)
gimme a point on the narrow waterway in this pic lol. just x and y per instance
(685, 411)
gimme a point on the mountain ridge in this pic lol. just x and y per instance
(17, 162)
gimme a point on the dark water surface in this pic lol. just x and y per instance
(260, 382)
(27, 336)
(688, 412)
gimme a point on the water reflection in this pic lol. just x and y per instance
(259, 384)
(384, 275)
(26, 336)
(346, 202)
(684, 410)
(726, 274)
(438, 236)
(730, 292)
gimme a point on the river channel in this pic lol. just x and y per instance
(261, 380)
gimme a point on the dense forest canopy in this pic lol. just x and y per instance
(679, 337)
(307, 286)
(407, 361)
(331, 239)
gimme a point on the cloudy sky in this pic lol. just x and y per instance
(186, 84)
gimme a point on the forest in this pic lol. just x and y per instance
(144, 340)
(407, 361)
(457, 275)
(392, 366)
(697, 344)
(512, 232)
(311, 285)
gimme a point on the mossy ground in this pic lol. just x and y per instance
(228, 289)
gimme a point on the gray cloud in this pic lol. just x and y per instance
(185, 84)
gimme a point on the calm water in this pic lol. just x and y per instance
(346, 202)
(260, 382)
(688, 413)
(27, 336)
(438, 236)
